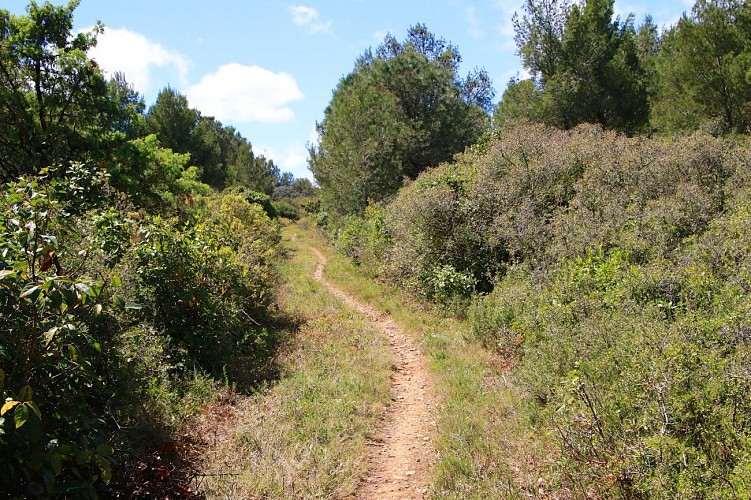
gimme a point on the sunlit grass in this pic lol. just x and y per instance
(306, 436)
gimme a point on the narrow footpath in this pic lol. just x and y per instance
(402, 448)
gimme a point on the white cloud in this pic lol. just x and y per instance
(309, 18)
(241, 94)
(293, 158)
(505, 29)
(475, 28)
(136, 56)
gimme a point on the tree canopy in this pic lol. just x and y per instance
(51, 93)
(402, 109)
(584, 62)
(704, 69)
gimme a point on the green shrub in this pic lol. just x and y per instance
(207, 286)
(51, 437)
(615, 279)
(286, 209)
(177, 308)
(261, 199)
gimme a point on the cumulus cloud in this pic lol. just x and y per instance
(136, 56)
(308, 17)
(242, 94)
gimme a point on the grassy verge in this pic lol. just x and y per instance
(485, 445)
(306, 436)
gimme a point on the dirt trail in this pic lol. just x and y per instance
(402, 451)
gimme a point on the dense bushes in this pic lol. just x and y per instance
(613, 273)
(114, 321)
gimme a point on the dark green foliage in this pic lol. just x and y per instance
(702, 70)
(255, 198)
(207, 286)
(172, 120)
(72, 371)
(401, 110)
(299, 188)
(521, 100)
(51, 437)
(286, 209)
(224, 156)
(51, 93)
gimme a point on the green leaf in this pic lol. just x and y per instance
(116, 281)
(105, 450)
(106, 475)
(83, 457)
(97, 309)
(56, 299)
(119, 301)
(56, 461)
(25, 393)
(2, 376)
(21, 415)
(35, 409)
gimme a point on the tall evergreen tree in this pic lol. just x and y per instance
(704, 70)
(172, 120)
(402, 109)
(585, 63)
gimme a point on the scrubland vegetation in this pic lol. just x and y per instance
(594, 241)
(576, 267)
(136, 285)
(609, 273)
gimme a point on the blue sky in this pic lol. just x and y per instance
(268, 67)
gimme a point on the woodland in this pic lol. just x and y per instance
(591, 231)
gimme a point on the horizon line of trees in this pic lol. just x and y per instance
(405, 108)
(589, 66)
(57, 107)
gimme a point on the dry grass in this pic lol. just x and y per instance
(305, 436)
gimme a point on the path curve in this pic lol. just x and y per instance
(402, 450)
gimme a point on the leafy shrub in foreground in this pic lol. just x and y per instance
(51, 439)
(175, 309)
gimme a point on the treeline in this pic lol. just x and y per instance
(132, 290)
(587, 67)
(402, 109)
(405, 107)
(596, 240)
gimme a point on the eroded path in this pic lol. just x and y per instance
(399, 465)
